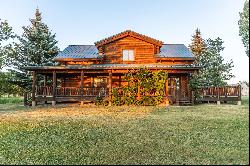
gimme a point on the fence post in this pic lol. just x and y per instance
(218, 95)
(239, 95)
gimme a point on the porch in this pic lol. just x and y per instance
(86, 83)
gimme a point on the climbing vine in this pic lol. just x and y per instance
(144, 87)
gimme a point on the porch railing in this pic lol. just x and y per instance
(225, 91)
(71, 91)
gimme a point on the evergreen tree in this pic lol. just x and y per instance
(6, 33)
(36, 47)
(197, 45)
(244, 26)
(214, 71)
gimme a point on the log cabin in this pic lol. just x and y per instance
(83, 72)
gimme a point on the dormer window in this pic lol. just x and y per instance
(128, 55)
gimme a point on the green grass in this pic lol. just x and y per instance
(203, 134)
(11, 100)
(245, 100)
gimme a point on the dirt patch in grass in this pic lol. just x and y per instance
(77, 112)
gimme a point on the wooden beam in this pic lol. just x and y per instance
(45, 84)
(110, 88)
(166, 92)
(45, 80)
(81, 86)
(120, 80)
(82, 79)
(54, 88)
(34, 88)
(139, 92)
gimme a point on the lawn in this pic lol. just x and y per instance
(202, 134)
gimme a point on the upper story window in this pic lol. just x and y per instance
(128, 55)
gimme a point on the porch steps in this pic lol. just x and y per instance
(185, 102)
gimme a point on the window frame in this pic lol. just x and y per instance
(128, 54)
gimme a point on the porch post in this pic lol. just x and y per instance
(81, 86)
(120, 80)
(166, 92)
(239, 95)
(45, 80)
(54, 88)
(34, 89)
(139, 92)
(45, 84)
(110, 88)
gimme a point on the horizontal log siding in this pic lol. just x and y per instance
(143, 51)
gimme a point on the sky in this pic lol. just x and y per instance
(171, 21)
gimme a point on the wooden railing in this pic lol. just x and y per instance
(44, 90)
(71, 91)
(221, 93)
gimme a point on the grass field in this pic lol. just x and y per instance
(202, 134)
(11, 100)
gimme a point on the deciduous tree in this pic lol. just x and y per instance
(244, 26)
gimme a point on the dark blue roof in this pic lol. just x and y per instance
(90, 51)
(175, 50)
(78, 51)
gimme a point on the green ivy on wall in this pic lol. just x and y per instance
(144, 87)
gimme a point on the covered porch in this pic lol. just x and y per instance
(78, 83)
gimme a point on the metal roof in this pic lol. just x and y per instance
(175, 50)
(78, 51)
(90, 51)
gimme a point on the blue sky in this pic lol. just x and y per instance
(171, 21)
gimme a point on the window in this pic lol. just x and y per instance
(100, 82)
(128, 55)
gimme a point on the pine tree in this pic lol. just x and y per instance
(36, 47)
(214, 71)
(197, 45)
(244, 26)
(6, 33)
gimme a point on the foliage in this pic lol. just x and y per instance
(144, 88)
(7, 87)
(197, 135)
(198, 44)
(11, 100)
(116, 97)
(244, 26)
(37, 46)
(214, 71)
(6, 33)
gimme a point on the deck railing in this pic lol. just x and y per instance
(71, 91)
(221, 91)
(225, 93)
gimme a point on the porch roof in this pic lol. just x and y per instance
(112, 66)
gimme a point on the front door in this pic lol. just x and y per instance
(173, 89)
